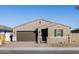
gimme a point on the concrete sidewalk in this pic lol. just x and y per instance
(53, 48)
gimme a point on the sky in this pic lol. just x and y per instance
(14, 15)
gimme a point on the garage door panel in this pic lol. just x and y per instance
(25, 36)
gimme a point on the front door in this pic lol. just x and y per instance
(44, 34)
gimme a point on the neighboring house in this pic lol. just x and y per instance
(6, 31)
(75, 36)
(43, 31)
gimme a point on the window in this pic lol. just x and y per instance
(58, 32)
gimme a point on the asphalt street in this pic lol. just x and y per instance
(39, 51)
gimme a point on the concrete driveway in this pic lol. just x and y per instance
(23, 45)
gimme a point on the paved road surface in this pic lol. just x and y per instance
(40, 51)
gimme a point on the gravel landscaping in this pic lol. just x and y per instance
(34, 45)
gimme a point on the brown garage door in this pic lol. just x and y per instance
(25, 36)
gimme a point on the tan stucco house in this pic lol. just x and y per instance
(43, 31)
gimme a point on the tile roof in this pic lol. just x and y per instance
(5, 28)
(75, 31)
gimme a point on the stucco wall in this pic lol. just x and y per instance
(29, 26)
(53, 39)
(75, 38)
